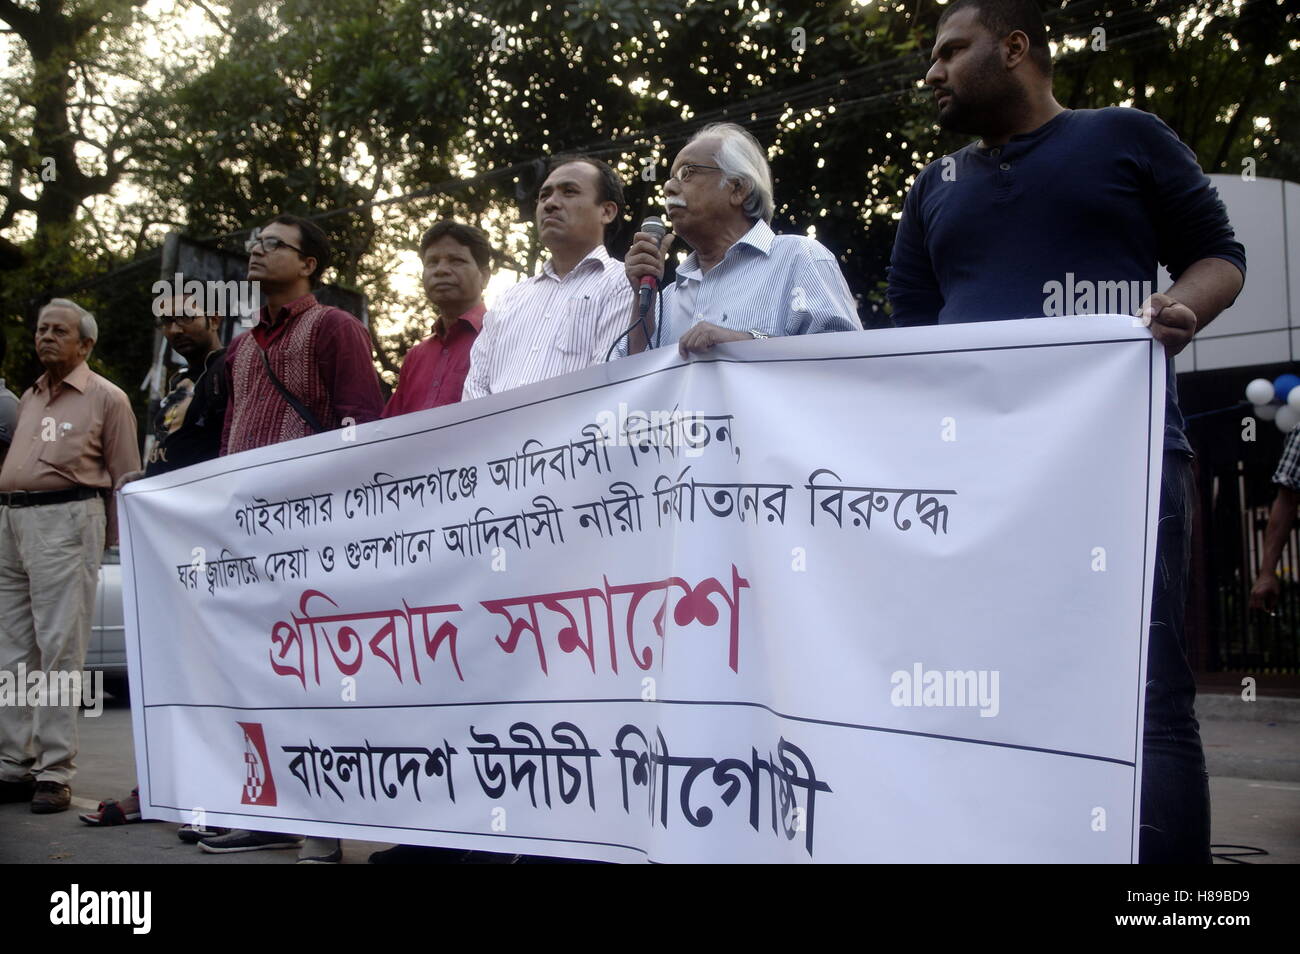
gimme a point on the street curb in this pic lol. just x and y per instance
(1230, 706)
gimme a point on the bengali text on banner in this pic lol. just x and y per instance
(849, 597)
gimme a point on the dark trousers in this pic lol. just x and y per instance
(1175, 825)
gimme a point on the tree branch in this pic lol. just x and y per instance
(386, 361)
(11, 255)
(216, 20)
(24, 22)
(20, 153)
(1234, 124)
(103, 182)
(16, 202)
(103, 239)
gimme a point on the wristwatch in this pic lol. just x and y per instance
(758, 335)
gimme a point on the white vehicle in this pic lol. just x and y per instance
(107, 650)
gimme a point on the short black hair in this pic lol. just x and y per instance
(1004, 17)
(611, 186)
(315, 243)
(472, 238)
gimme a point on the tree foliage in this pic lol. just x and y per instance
(381, 115)
(70, 122)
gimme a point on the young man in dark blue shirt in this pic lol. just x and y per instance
(1051, 199)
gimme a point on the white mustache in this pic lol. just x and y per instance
(674, 202)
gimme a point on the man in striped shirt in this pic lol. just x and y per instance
(742, 281)
(1281, 517)
(565, 318)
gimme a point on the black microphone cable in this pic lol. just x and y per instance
(640, 320)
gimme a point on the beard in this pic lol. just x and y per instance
(989, 97)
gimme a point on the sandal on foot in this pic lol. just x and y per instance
(114, 812)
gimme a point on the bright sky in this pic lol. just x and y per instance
(182, 28)
(406, 278)
(191, 26)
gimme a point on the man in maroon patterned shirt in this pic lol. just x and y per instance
(321, 355)
(457, 263)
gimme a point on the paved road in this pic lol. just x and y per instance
(1257, 812)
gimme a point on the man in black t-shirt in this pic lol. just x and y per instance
(1089, 200)
(187, 430)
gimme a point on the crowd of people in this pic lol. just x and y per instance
(1105, 194)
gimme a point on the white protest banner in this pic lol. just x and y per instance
(849, 597)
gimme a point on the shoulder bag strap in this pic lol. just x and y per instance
(299, 408)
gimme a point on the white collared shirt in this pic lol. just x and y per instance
(775, 284)
(547, 325)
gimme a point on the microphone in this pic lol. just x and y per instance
(646, 288)
(649, 284)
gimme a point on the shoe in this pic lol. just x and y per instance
(193, 834)
(113, 812)
(418, 855)
(320, 851)
(242, 840)
(50, 798)
(13, 792)
(489, 858)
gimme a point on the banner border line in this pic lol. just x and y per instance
(807, 720)
(1144, 637)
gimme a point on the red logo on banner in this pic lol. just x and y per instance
(259, 787)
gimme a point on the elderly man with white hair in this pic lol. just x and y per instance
(75, 438)
(742, 281)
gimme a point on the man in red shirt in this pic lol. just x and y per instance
(457, 265)
(303, 369)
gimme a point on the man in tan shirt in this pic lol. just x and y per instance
(76, 436)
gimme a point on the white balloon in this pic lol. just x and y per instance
(1266, 412)
(1287, 418)
(1259, 391)
(1293, 399)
